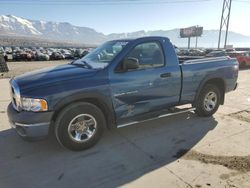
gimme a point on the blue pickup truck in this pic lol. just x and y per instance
(120, 83)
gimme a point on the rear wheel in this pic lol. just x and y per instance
(79, 126)
(208, 100)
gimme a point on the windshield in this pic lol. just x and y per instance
(103, 55)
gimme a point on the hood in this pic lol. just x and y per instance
(52, 75)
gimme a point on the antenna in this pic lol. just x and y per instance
(225, 17)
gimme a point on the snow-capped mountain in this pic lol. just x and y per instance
(19, 27)
(13, 25)
(209, 37)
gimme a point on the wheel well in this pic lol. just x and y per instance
(108, 115)
(214, 81)
(220, 84)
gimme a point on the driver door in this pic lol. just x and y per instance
(149, 88)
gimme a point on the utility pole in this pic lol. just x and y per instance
(225, 17)
(189, 38)
(196, 42)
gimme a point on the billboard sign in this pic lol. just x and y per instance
(194, 31)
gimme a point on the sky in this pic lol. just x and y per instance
(117, 16)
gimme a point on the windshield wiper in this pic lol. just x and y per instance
(82, 63)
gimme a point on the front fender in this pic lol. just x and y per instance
(104, 102)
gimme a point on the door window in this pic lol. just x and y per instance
(149, 55)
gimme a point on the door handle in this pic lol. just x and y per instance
(165, 75)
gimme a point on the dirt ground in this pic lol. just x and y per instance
(17, 68)
(242, 115)
(178, 151)
(239, 163)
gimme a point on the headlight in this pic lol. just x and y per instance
(35, 105)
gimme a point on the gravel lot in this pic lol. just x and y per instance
(17, 68)
(178, 151)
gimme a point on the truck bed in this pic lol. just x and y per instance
(195, 72)
(183, 59)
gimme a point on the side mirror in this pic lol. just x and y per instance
(130, 63)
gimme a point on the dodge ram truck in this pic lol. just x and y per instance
(120, 83)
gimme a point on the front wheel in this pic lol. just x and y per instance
(79, 126)
(208, 101)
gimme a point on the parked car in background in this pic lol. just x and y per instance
(67, 54)
(17, 53)
(196, 52)
(1, 51)
(8, 53)
(84, 53)
(41, 57)
(230, 50)
(216, 53)
(183, 52)
(244, 59)
(235, 54)
(80, 53)
(21, 56)
(242, 49)
(208, 50)
(57, 56)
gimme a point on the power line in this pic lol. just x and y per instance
(98, 2)
(93, 0)
(242, 1)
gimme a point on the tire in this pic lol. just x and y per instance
(75, 123)
(209, 101)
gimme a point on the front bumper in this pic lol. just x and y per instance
(30, 124)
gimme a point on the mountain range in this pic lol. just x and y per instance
(13, 26)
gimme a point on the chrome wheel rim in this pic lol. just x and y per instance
(210, 101)
(82, 127)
